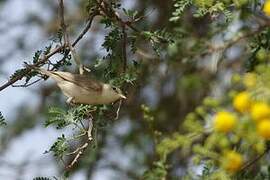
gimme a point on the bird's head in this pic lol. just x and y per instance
(112, 93)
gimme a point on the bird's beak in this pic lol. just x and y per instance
(122, 96)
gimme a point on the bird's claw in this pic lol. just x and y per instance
(70, 101)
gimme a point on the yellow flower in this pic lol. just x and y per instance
(242, 101)
(224, 121)
(260, 111)
(263, 128)
(232, 161)
(266, 7)
(249, 80)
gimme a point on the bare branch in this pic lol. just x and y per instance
(62, 21)
(237, 39)
(82, 148)
(86, 29)
(124, 47)
(253, 161)
(118, 110)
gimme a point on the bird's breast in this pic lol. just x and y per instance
(82, 95)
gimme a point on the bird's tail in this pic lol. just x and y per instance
(39, 70)
(51, 74)
(44, 71)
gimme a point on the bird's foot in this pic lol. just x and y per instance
(70, 101)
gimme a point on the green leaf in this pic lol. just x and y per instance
(61, 118)
(2, 120)
(37, 56)
(180, 7)
(17, 73)
(130, 13)
(158, 38)
(42, 178)
(111, 40)
(60, 147)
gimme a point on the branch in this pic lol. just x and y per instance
(253, 161)
(28, 69)
(62, 21)
(82, 148)
(237, 39)
(104, 7)
(124, 47)
(27, 84)
(118, 110)
(85, 30)
(45, 58)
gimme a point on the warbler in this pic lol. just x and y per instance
(81, 89)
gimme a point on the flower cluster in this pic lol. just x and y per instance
(248, 116)
(266, 7)
(258, 111)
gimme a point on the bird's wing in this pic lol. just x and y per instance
(80, 80)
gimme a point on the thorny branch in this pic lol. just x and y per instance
(41, 61)
(45, 58)
(79, 151)
(105, 10)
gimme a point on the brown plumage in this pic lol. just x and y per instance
(82, 89)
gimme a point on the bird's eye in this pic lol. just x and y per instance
(114, 88)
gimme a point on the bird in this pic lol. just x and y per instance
(81, 89)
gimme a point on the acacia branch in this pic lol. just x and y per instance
(41, 61)
(79, 151)
(86, 29)
(62, 21)
(124, 47)
(45, 58)
(104, 7)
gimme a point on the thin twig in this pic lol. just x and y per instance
(27, 84)
(82, 124)
(28, 69)
(62, 21)
(86, 29)
(103, 5)
(236, 40)
(76, 59)
(253, 161)
(118, 110)
(66, 38)
(124, 47)
(82, 148)
(79, 151)
(44, 59)
(80, 135)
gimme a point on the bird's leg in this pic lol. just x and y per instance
(76, 59)
(70, 101)
(66, 39)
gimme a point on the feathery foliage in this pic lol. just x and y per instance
(2, 120)
(197, 84)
